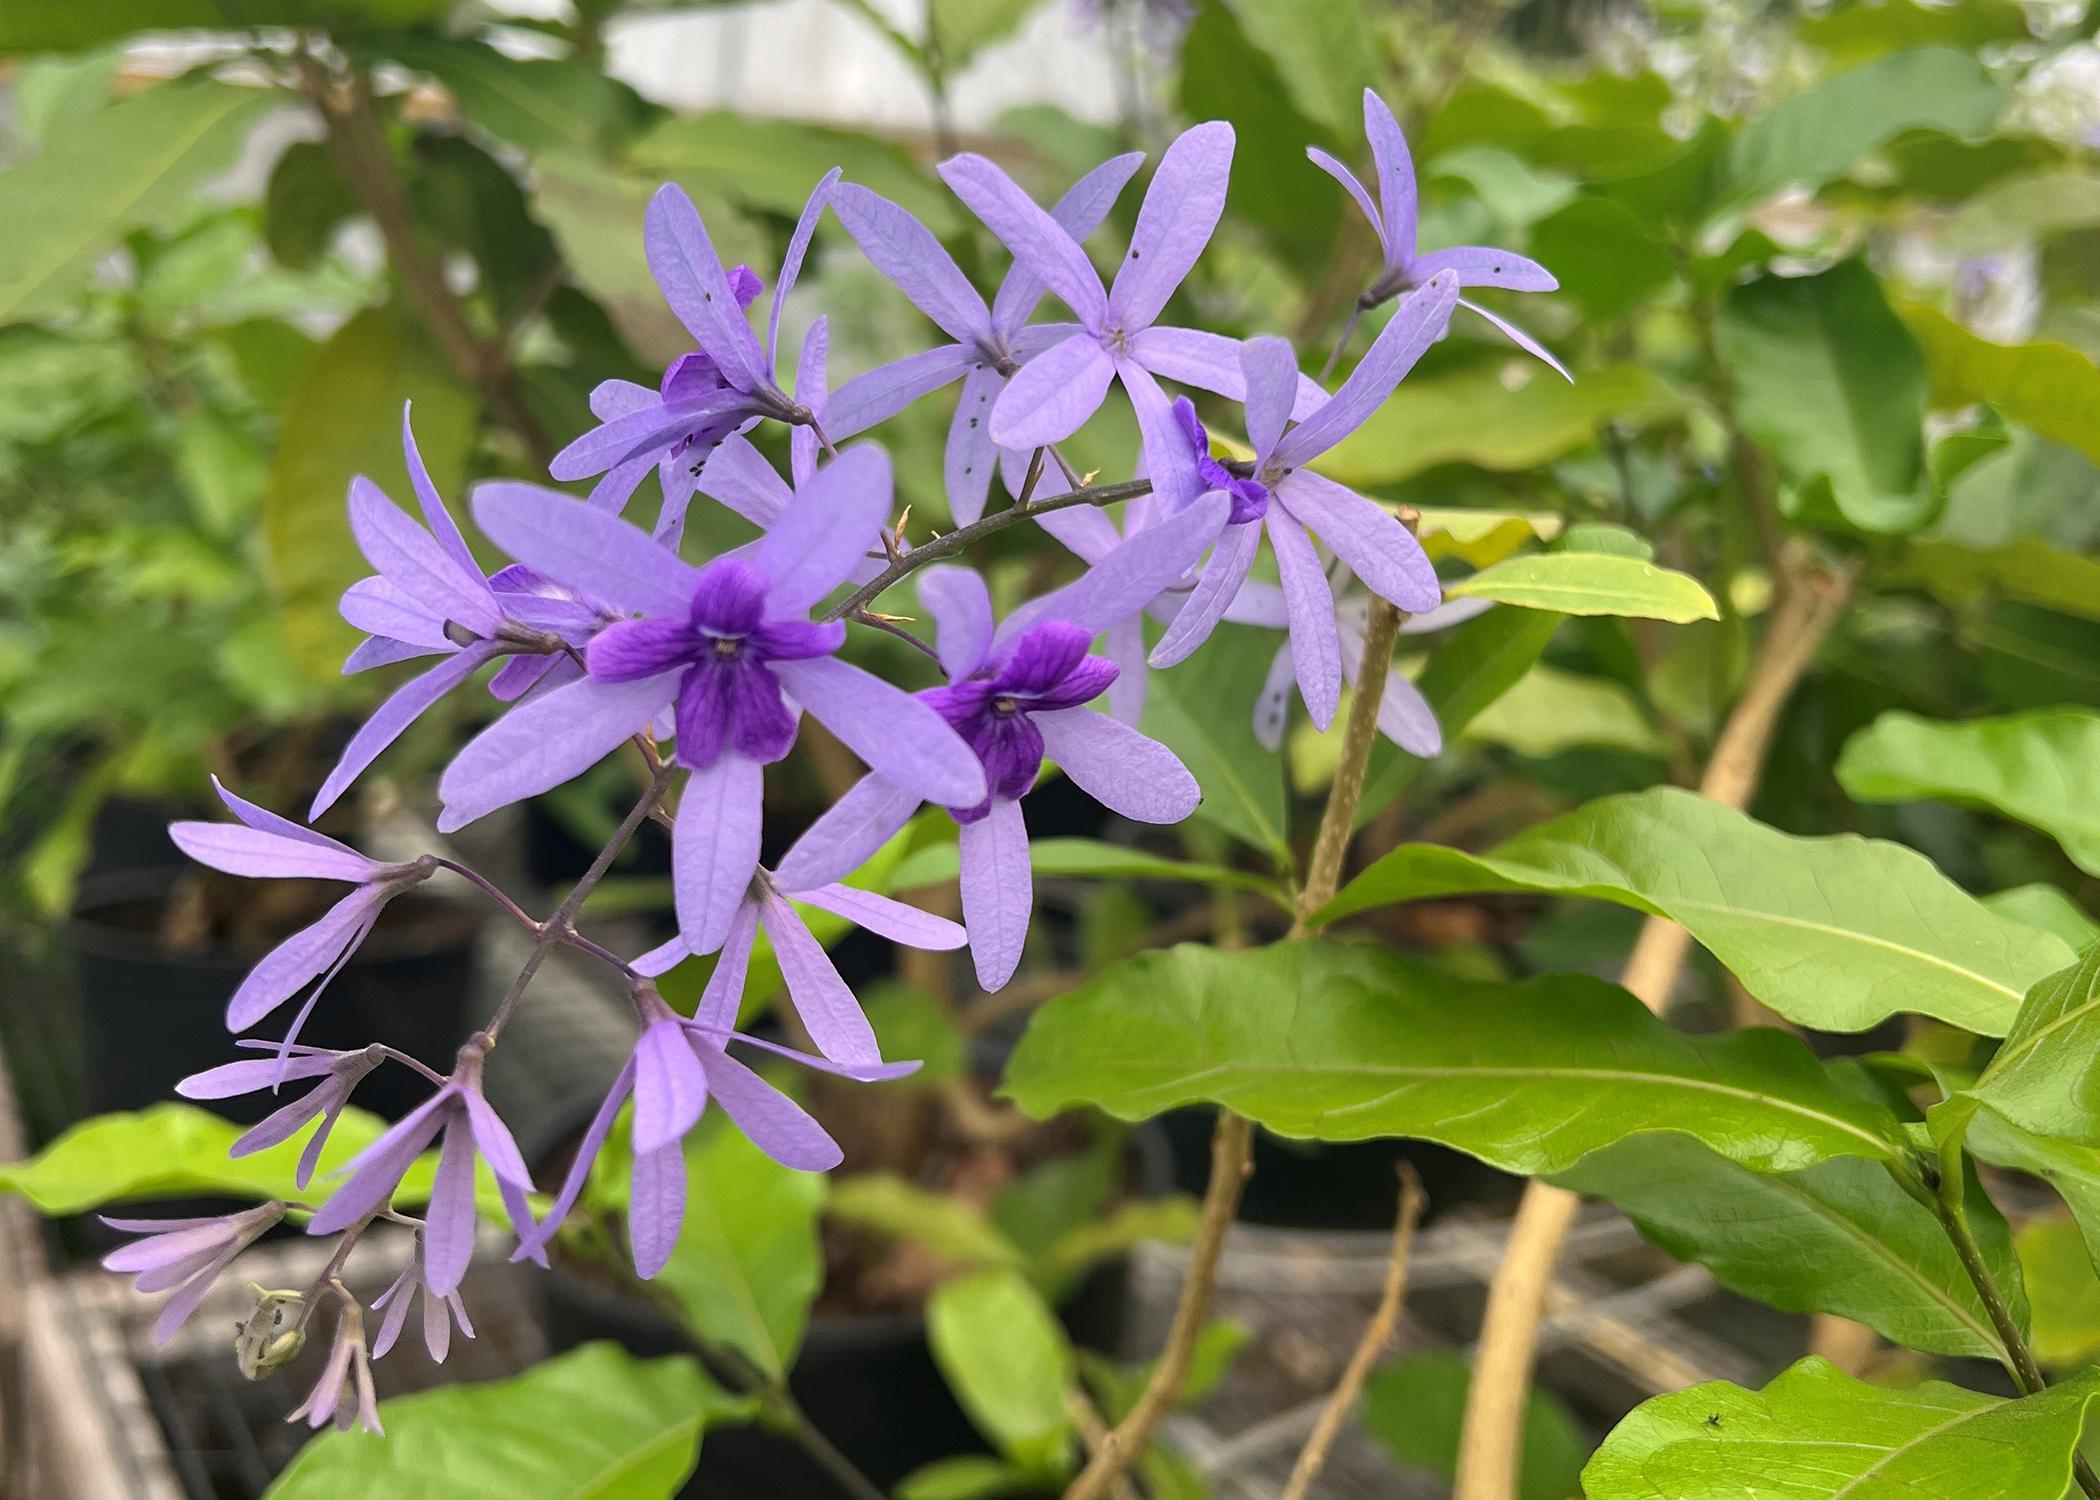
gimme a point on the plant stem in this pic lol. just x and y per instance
(965, 537)
(1232, 1143)
(1808, 603)
(560, 927)
(1377, 1334)
(811, 1439)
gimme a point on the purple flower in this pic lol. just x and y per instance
(344, 1392)
(1015, 696)
(704, 396)
(822, 999)
(440, 1310)
(1404, 715)
(725, 643)
(186, 1256)
(676, 1067)
(1293, 504)
(1052, 395)
(273, 848)
(1393, 218)
(459, 1113)
(339, 1072)
(990, 343)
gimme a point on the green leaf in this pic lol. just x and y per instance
(2029, 570)
(1324, 52)
(748, 1264)
(1322, 1040)
(2049, 387)
(1474, 418)
(1817, 1434)
(1006, 1359)
(1480, 537)
(1607, 258)
(1839, 1237)
(1118, 1387)
(1836, 933)
(1590, 583)
(1550, 710)
(939, 863)
(1171, 1220)
(343, 418)
(1854, 32)
(2034, 767)
(967, 1476)
(1819, 133)
(1827, 377)
(61, 25)
(593, 1424)
(2028, 207)
(2046, 1078)
(131, 165)
(893, 1207)
(772, 164)
(1203, 710)
(1416, 1405)
(60, 91)
(303, 203)
(962, 28)
(2048, 908)
(2072, 1169)
(539, 104)
(178, 1150)
(2063, 1289)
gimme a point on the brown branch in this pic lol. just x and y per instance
(1377, 1334)
(357, 145)
(1808, 604)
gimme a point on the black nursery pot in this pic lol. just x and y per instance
(1352, 1185)
(151, 1016)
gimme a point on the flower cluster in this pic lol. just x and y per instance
(604, 633)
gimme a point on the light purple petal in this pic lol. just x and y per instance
(740, 477)
(382, 652)
(395, 1299)
(644, 434)
(1377, 548)
(670, 1091)
(826, 530)
(1216, 585)
(435, 515)
(998, 888)
(791, 271)
(696, 288)
(580, 1169)
(301, 958)
(1139, 570)
(281, 1124)
(1419, 321)
(1444, 616)
(905, 250)
(448, 1221)
(655, 1208)
(1396, 177)
(616, 486)
(544, 742)
(1210, 362)
(596, 554)
(402, 707)
(1272, 705)
(724, 996)
(858, 1072)
(170, 1242)
(267, 856)
(1483, 265)
(829, 1013)
(1126, 648)
(812, 389)
(1271, 371)
(1315, 648)
(1085, 529)
(1179, 215)
(373, 1173)
(1404, 715)
(1080, 212)
(230, 1080)
(886, 918)
(1036, 240)
(492, 1138)
(883, 392)
(1521, 339)
(437, 1326)
(847, 836)
(380, 608)
(1169, 461)
(611, 399)
(1124, 771)
(1050, 398)
(1355, 188)
(411, 559)
(714, 847)
(1259, 604)
(961, 607)
(896, 736)
(774, 1123)
(177, 1309)
(971, 454)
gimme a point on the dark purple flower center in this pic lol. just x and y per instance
(1047, 669)
(728, 696)
(1250, 498)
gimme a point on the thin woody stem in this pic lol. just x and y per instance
(558, 928)
(1232, 1143)
(526, 920)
